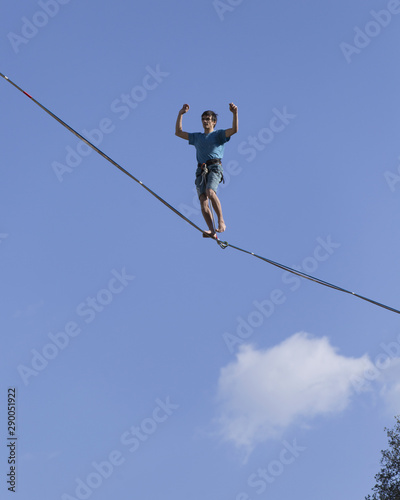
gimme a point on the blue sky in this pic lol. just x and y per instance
(149, 362)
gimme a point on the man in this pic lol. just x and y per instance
(209, 152)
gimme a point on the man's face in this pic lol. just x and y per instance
(208, 122)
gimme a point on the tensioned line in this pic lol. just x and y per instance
(222, 244)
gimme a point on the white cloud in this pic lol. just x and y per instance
(265, 391)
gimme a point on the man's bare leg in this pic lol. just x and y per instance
(218, 209)
(205, 210)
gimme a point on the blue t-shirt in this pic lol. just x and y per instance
(210, 146)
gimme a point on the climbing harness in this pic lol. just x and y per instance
(205, 170)
(222, 244)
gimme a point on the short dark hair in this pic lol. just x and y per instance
(212, 114)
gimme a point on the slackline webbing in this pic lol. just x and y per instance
(222, 244)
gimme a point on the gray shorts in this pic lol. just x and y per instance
(214, 177)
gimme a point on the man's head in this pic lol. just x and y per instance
(209, 120)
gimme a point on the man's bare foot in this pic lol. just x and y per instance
(209, 234)
(221, 227)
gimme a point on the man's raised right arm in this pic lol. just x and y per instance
(178, 127)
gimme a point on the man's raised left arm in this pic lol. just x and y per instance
(235, 121)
